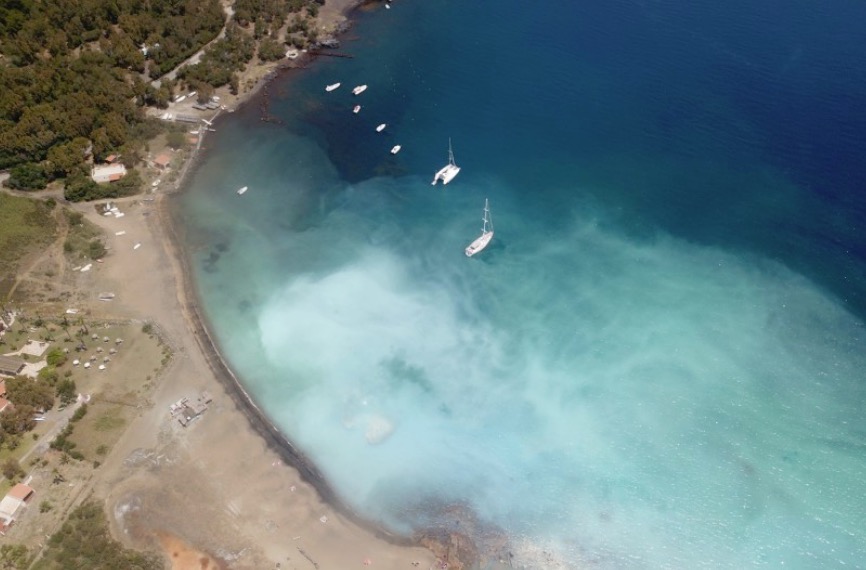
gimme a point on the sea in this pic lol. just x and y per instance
(660, 359)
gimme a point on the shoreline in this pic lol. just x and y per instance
(208, 346)
(258, 420)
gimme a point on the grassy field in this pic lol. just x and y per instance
(26, 226)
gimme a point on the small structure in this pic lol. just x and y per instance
(162, 160)
(15, 499)
(186, 412)
(108, 172)
(11, 366)
(180, 117)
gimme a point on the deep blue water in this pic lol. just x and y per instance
(658, 361)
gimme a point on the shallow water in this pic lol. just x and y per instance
(657, 361)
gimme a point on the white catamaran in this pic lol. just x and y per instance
(486, 233)
(447, 173)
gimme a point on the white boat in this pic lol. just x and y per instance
(395, 149)
(331, 87)
(381, 128)
(486, 233)
(242, 190)
(357, 109)
(447, 173)
(359, 89)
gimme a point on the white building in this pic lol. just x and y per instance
(14, 500)
(108, 172)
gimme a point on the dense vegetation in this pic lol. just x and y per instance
(75, 74)
(84, 542)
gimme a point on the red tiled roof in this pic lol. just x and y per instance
(20, 492)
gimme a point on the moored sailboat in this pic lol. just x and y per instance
(486, 233)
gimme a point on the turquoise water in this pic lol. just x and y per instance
(657, 363)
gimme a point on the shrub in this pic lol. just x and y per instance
(12, 469)
(96, 249)
(55, 357)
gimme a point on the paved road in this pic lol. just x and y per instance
(61, 419)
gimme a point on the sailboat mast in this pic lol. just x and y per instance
(485, 217)
(450, 152)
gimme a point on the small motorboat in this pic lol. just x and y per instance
(381, 128)
(242, 190)
(359, 89)
(357, 109)
(395, 149)
(331, 87)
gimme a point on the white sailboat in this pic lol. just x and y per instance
(486, 233)
(395, 149)
(447, 173)
(381, 128)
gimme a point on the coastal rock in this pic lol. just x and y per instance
(330, 43)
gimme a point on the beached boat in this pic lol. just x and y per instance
(486, 233)
(332, 86)
(359, 89)
(381, 128)
(395, 149)
(242, 190)
(357, 109)
(447, 173)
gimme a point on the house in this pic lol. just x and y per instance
(162, 160)
(10, 366)
(12, 503)
(107, 172)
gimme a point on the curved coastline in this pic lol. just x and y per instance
(209, 345)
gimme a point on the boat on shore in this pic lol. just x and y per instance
(332, 86)
(357, 109)
(447, 173)
(395, 149)
(359, 89)
(381, 128)
(486, 233)
(242, 190)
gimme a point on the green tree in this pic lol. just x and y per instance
(56, 357)
(175, 139)
(66, 391)
(65, 158)
(25, 392)
(84, 541)
(27, 176)
(96, 249)
(12, 469)
(14, 557)
(18, 420)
